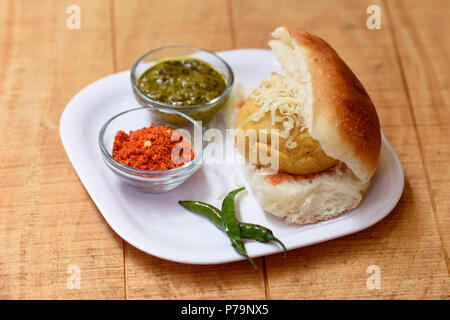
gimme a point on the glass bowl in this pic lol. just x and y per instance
(203, 112)
(145, 180)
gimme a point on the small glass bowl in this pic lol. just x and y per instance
(146, 180)
(203, 112)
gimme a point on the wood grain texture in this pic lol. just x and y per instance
(421, 34)
(47, 220)
(139, 29)
(154, 278)
(406, 245)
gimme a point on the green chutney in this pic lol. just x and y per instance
(182, 82)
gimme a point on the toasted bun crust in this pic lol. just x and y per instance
(342, 116)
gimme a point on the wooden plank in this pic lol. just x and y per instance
(406, 245)
(47, 220)
(140, 28)
(153, 278)
(422, 39)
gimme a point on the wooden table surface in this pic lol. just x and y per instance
(48, 222)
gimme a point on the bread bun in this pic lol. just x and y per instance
(333, 112)
(305, 201)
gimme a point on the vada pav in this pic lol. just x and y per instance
(327, 129)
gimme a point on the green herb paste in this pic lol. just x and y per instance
(182, 82)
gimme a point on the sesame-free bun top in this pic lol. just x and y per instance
(340, 115)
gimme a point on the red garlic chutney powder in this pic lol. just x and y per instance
(281, 177)
(152, 148)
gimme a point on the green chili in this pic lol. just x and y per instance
(259, 233)
(248, 230)
(211, 212)
(231, 225)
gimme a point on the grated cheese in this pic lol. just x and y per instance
(284, 99)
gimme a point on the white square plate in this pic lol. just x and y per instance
(156, 224)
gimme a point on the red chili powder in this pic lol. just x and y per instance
(151, 148)
(281, 177)
(239, 104)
